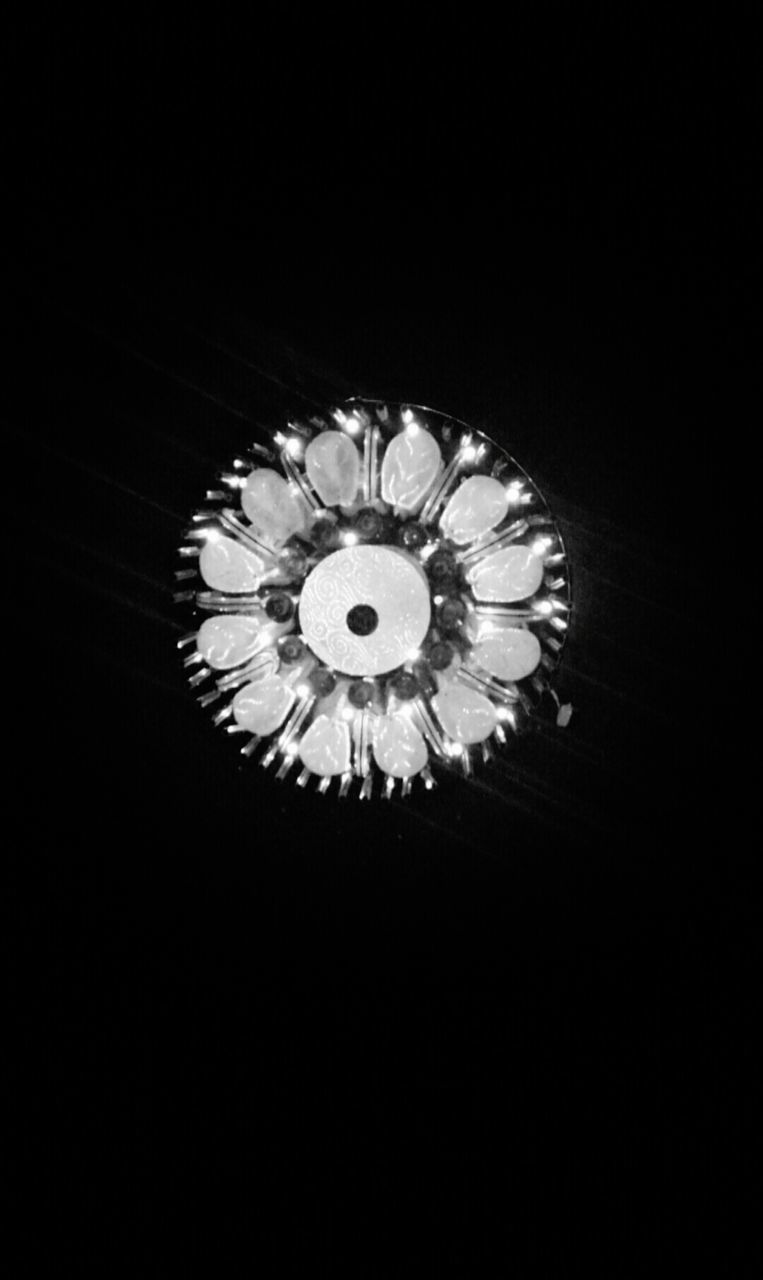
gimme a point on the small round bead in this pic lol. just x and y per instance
(440, 656)
(279, 606)
(413, 535)
(322, 681)
(368, 523)
(360, 693)
(292, 649)
(442, 567)
(325, 534)
(404, 685)
(452, 613)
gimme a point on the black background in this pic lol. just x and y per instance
(503, 1021)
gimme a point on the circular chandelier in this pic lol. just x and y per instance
(382, 592)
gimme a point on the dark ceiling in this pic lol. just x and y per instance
(498, 1013)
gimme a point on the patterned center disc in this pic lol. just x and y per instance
(385, 581)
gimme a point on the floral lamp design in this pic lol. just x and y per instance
(382, 591)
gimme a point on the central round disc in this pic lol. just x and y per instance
(386, 583)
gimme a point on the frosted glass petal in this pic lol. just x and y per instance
(509, 653)
(512, 574)
(227, 566)
(467, 716)
(262, 706)
(270, 504)
(332, 464)
(477, 506)
(399, 748)
(325, 748)
(409, 467)
(227, 640)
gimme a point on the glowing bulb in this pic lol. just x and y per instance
(455, 749)
(280, 439)
(439, 599)
(349, 539)
(407, 416)
(514, 491)
(468, 453)
(412, 429)
(291, 749)
(293, 446)
(544, 607)
(303, 690)
(353, 426)
(504, 713)
(213, 535)
(413, 655)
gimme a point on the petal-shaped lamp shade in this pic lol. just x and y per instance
(411, 462)
(227, 566)
(262, 706)
(465, 714)
(399, 748)
(508, 653)
(512, 574)
(325, 748)
(230, 639)
(332, 463)
(270, 504)
(478, 505)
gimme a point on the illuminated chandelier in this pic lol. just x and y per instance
(394, 597)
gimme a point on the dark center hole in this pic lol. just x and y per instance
(362, 619)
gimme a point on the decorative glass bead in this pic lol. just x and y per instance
(279, 606)
(322, 681)
(360, 693)
(404, 685)
(292, 649)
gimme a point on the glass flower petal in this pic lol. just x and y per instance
(411, 462)
(271, 506)
(227, 566)
(262, 706)
(466, 715)
(226, 641)
(478, 505)
(512, 574)
(325, 748)
(333, 466)
(399, 748)
(508, 653)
